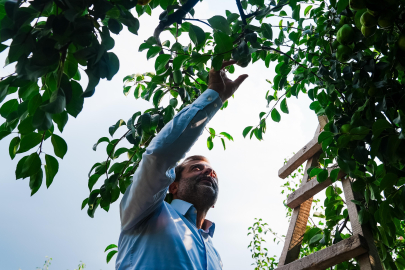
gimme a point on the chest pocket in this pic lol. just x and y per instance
(180, 122)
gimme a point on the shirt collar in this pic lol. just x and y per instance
(182, 207)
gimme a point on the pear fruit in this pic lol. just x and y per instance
(357, 4)
(343, 53)
(368, 31)
(345, 34)
(368, 20)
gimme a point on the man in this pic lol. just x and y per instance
(154, 234)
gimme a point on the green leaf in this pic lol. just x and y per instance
(36, 181)
(12, 149)
(114, 26)
(8, 107)
(75, 105)
(217, 61)
(329, 192)
(379, 126)
(146, 122)
(359, 133)
(110, 247)
(93, 180)
(296, 13)
(57, 102)
(34, 103)
(41, 120)
(221, 24)
(334, 174)
(103, 139)
(322, 176)
(315, 239)
(60, 119)
(177, 76)
(157, 97)
(59, 146)
(275, 115)
(84, 203)
(51, 169)
(161, 61)
(113, 65)
(152, 52)
(246, 131)
(223, 43)
(197, 35)
(112, 129)
(226, 135)
(342, 4)
(31, 165)
(388, 181)
(173, 102)
(110, 255)
(210, 144)
(267, 31)
(179, 60)
(212, 132)
(283, 106)
(324, 135)
(223, 143)
(308, 8)
(29, 141)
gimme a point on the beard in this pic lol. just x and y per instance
(198, 191)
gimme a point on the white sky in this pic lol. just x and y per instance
(51, 224)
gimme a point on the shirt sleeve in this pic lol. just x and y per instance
(156, 170)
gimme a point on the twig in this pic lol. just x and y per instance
(187, 19)
(176, 16)
(298, 63)
(344, 224)
(42, 140)
(5, 77)
(241, 12)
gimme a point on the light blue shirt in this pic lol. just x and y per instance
(155, 234)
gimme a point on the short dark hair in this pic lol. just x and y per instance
(179, 168)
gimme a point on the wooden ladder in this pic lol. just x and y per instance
(360, 245)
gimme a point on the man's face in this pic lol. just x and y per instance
(198, 184)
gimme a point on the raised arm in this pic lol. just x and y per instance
(156, 170)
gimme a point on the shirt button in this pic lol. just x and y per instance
(215, 105)
(209, 98)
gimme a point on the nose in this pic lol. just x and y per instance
(210, 172)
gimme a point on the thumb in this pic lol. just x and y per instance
(240, 80)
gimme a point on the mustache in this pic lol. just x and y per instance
(207, 177)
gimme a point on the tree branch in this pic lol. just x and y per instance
(177, 16)
(241, 12)
(187, 19)
(298, 63)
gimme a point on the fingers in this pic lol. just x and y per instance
(240, 80)
(228, 63)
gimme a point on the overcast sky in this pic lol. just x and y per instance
(51, 223)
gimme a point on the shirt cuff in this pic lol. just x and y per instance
(209, 101)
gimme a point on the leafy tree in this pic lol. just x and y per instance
(347, 56)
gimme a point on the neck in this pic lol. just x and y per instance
(201, 214)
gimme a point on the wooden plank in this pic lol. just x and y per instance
(345, 250)
(300, 157)
(371, 260)
(309, 190)
(298, 223)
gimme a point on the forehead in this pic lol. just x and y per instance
(194, 162)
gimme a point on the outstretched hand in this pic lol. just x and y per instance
(219, 82)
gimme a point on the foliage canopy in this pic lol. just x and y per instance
(347, 56)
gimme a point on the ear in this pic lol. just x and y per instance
(173, 188)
